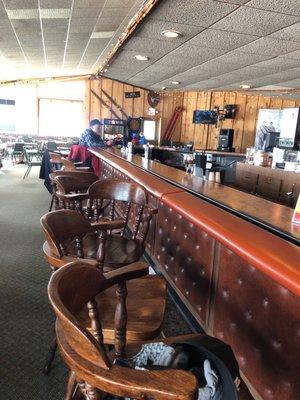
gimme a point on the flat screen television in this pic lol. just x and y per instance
(205, 117)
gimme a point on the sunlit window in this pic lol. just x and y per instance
(60, 117)
(7, 115)
(149, 129)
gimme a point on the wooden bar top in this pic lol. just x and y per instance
(274, 217)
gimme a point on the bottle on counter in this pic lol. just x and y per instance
(129, 147)
(146, 149)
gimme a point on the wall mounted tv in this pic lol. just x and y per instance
(205, 117)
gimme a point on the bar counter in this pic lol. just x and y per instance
(274, 217)
(240, 282)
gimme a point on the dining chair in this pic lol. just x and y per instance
(18, 152)
(95, 371)
(71, 236)
(68, 165)
(75, 181)
(30, 163)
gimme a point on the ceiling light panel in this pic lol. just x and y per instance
(171, 34)
(23, 14)
(57, 13)
(102, 35)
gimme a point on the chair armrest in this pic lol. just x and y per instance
(83, 168)
(131, 271)
(75, 196)
(88, 261)
(109, 225)
(168, 384)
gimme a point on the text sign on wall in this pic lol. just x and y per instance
(132, 95)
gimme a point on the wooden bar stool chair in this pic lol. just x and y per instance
(55, 160)
(70, 236)
(92, 368)
(78, 182)
(68, 165)
(110, 199)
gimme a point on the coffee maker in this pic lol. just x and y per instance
(226, 140)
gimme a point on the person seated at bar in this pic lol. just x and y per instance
(91, 136)
(142, 139)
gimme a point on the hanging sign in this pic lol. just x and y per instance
(296, 215)
(132, 95)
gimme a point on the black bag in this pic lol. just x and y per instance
(221, 357)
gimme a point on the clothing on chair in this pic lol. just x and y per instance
(45, 170)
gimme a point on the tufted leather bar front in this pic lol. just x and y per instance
(240, 282)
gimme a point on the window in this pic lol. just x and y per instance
(61, 117)
(149, 129)
(7, 115)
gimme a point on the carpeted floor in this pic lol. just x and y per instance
(25, 314)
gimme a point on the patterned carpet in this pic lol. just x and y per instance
(25, 314)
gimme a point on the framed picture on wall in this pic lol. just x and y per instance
(268, 127)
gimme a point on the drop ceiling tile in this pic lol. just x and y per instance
(121, 3)
(192, 12)
(239, 2)
(117, 12)
(239, 59)
(277, 64)
(155, 72)
(295, 83)
(145, 45)
(17, 4)
(291, 7)
(290, 33)
(272, 79)
(86, 13)
(255, 22)
(55, 3)
(107, 24)
(221, 39)
(270, 46)
(188, 56)
(89, 3)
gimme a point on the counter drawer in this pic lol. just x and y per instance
(268, 187)
(246, 181)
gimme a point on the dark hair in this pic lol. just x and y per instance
(95, 122)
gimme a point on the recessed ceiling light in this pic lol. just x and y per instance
(170, 33)
(175, 83)
(139, 57)
(245, 86)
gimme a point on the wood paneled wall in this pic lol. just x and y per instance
(244, 123)
(204, 136)
(137, 107)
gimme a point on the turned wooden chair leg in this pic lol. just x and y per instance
(92, 393)
(51, 355)
(71, 387)
(51, 204)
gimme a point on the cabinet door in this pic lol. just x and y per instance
(246, 180)
(269, 187)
